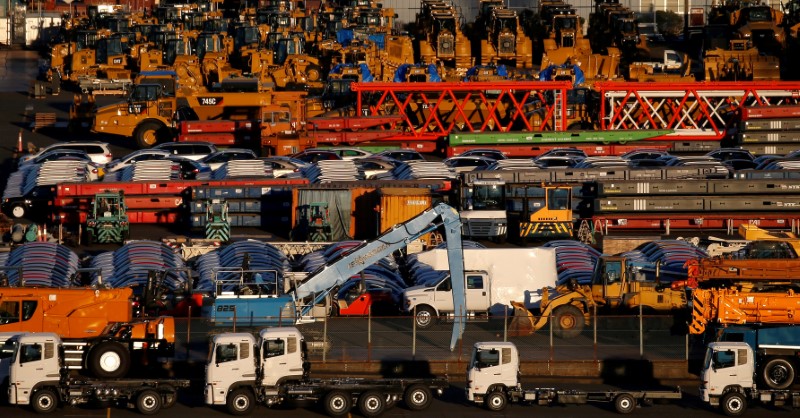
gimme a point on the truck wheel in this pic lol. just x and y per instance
(568, 321)
(425, 317)
(44, 401)
(625, 403)
(496, 401)
(18, 210)
(240, 402)
(148, 134)
(371, 403)
(733, 404)
(418, 397)
(148, 402)
(778, 373)
(109, 360)
(337, 403)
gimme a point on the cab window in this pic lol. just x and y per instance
(30, 352)
(487, 358)
(226, 353)
(474, 282)
(274, 348)
(9, 312)
(724, 359)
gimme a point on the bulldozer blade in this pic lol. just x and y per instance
(521, 322)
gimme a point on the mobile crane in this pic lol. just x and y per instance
(298, 303)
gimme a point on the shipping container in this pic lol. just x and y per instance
(398, 205)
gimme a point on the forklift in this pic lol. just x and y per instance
(313, 223)
(107, 221)
(218, 226)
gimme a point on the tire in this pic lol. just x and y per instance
(240, 402)
(418, 397)
(733, 404)
(625, 403)
(148, 402)
(169, 398)
(496, 401)
(149, 134)
(371, 403)
(18, 210)
(778, 373)
(337, 403)
(44, 401)
(425, 317)
(568, 321)
(110, 360)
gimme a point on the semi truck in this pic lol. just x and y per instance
(37, 379)
(244, 370)
(493, 380)
(494, 278)
(728, 380)
(99, 330)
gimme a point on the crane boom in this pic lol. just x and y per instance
(321, 282)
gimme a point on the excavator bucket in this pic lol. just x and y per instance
(522, 322)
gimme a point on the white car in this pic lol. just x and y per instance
(99, 152)
(217, 159)
(349, 153)
(191, 150)
(140, 155)
(284, 166)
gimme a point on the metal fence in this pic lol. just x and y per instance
(376, 339)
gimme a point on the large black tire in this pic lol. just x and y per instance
(568, 321)
(778, 373)
(425, 317)
(625, 403)
(733, 404)
(149, 134)
(371, 403)
(418, 397)
(44, 401)
(240, 402)
(148, 402)
(337, 403)
(109, 360)
(496, 401)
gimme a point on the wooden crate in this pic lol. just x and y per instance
(43, 120)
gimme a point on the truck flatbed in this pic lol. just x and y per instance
(313, 387)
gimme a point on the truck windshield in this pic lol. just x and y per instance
(486, 358)
(723, 359)
(488, 197)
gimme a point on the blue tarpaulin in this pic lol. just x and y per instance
(547, 74)
(344, 37)
(379, 39)
(366, 74)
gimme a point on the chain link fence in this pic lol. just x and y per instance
(377, 339)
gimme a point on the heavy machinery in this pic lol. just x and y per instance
(762, 25)
(673, 68)
(313, 223)
(278, 363)
(616, 287)
(107, 221)
(301, 301)
(218, 226)
(443, 42)
(36, 379)
(506, 43)
(741, 61)
(97, 326)
(483, 210)
(540, 211)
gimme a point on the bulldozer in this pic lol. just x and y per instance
(506, 42)
(740, 62)
(107, 221)
(566, 45)
(617, 286)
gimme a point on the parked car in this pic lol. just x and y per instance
(349, 153)
(372, 166)
(94, 171)
(283, 166)
(140, 155)
(468, 163)
(480, 152)
(402, 155)
(312, 155)
(724, 154)
(99, 152)
(191, 150)
(217, 159)
(192, 169)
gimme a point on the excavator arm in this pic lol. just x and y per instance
(320, 283)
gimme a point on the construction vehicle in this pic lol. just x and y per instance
(36, 379)
(218, 226)
(493, 380)
(99, 331)
(278, 369)
(671, 69)
(107, 221)
(617, 286)
(741, 61)
(302, 300)
(775, 349)
(762, 25)
(540, 211)
(483, 210)
(728, 380)
(720, 307)
(506, 42)
(313, 223)
(443, 40)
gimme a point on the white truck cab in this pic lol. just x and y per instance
(492, 365)
(727, 366)
(34, 363)
(430, 302)
(239, 360)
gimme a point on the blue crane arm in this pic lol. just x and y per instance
(321, 282)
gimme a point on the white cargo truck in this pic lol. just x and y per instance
(494, 278)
